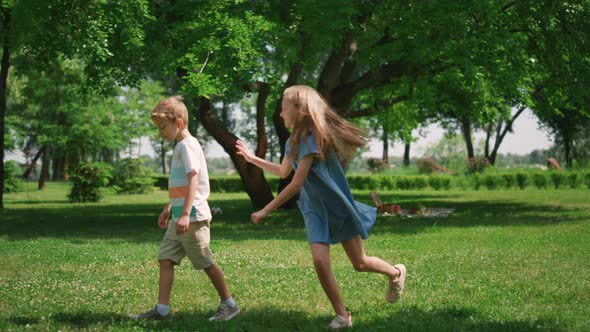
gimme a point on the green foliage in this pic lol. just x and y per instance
(476, 180)
(491, 181)
(477, 164)
(557, 178)
(540, 180)
(521, 180)
(509, 180)
(435, 182)
(12, 177)
(160, 181)
(587, 179)
(130, 176)
(87, 180)
(573, 179)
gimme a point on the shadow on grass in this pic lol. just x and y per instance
(452, 319)
(137, 222)
(269, 319)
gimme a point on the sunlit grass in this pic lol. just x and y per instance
(504, 260)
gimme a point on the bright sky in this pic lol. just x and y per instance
(526, 137)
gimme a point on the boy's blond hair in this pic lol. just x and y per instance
(170, 109)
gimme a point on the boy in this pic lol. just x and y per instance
(187, 233)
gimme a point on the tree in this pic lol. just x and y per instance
(105, 35)
(559, 42)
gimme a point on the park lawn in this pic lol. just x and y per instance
(504, 260)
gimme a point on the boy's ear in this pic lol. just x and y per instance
(179, 123)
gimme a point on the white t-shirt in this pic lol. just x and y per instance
(188, 157)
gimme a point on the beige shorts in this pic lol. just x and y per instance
(193, 244)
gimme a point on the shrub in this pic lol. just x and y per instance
(587, 179)
(477, 164)
(446, 182)
(161, 181)
(404, 182)
(553, 164)
(376, 165)
(521, 180)
(428, 166)
(476, 181)
(12, 177)
(131, 177)
(87, 179)
(509, 180)
(557, 179)
(387, 182)
(419, 182)
(573, 179)
(540, 180)
(435, 182)
(490, 181)
(439, 182)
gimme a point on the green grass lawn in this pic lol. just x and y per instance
(505, 260)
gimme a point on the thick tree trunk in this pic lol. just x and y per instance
(407, 154)
(5, 64)
(252, 177)
(466, 131)
(57, 167)
(66, 167)
(44, 168)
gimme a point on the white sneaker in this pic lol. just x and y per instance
(396, 287)
(340, 322)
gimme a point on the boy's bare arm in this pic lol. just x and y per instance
(164, 216)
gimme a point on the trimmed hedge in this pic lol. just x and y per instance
(490, 181)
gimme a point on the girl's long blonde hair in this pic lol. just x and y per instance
(331, 131)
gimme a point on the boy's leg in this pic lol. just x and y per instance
(218, 280)
(321, 262)
(166, 281)
(228, 308)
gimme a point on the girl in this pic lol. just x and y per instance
(319, 141)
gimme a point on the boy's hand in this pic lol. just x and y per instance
(182, 225)
(243, 151)
(163, 219)
(258, 216)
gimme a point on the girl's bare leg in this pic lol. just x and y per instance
(321, 261)
(361, 262)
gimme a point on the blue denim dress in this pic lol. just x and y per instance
(331, 214)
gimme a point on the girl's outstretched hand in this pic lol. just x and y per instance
(258, 216)
(243, 151)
